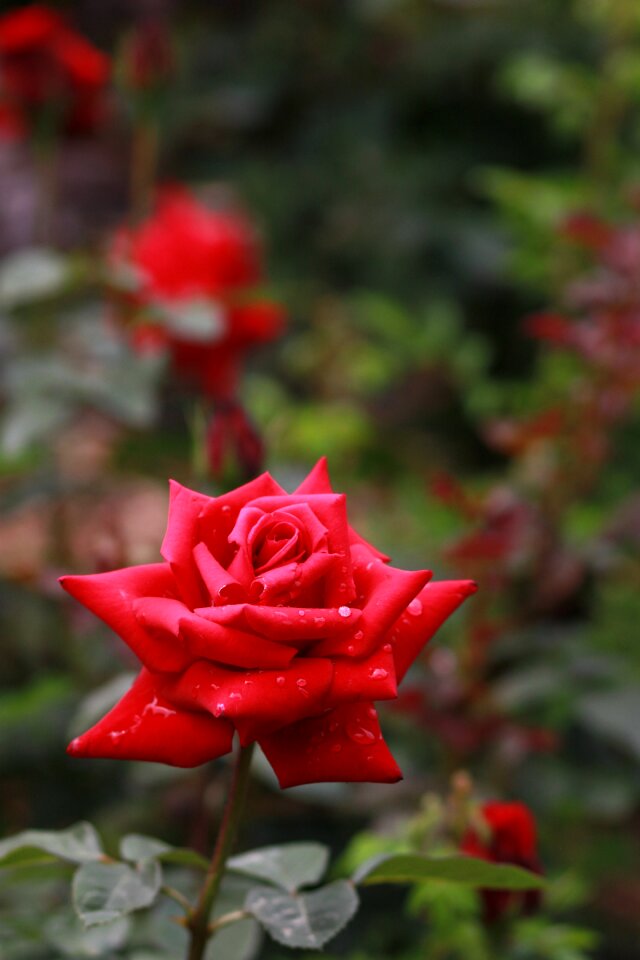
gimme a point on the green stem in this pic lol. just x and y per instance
(144, 164)
(198, 922)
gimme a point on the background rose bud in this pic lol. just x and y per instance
(507, 835)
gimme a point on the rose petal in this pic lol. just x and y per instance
(185, 507)
(290, 624)
(144, 725)
(111, 597)
(373, 678)
(331, 511)
(222, 587)
(317, 481)
(227, 645)
(387, 591)
(429, 610)
(342, 745)
(220, 513)
(292, 579)
(257, 701)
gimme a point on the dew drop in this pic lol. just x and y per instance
(301, 682)
(235, 696)
(280, 681)
(320, 620)
(301, 613)
(378, 673)
(226, 508)
(372, 712)
(387, 648)
(415, 608)
(344, 611)
(358, 635)
(351, 648)
(220, 708)
(360, 734)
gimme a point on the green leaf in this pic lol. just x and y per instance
(289, 865)
(412, 868)
(136, 847)
(78, 844)
(66, 933)
(102, 892)
(304, 920)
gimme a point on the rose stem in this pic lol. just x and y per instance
(198, 922)
(144, 163)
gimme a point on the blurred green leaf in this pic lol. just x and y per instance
(105, 891)
(31, 274)
(305, 920)
(290, 866)
(412, 868)
(77, 844)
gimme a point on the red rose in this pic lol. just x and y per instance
(46, 67)
(185, 258)
(272, 618)
(511, 839)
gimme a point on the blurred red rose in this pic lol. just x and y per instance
(192, 274)
(511, 838)
(272, 618)
(49, 74)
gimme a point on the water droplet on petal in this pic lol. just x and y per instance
(280, 681)
(378, 673)
(351, 648)
(301, 613)
(220, 708)
(226, 508)
(235, 696)
(358, 635)
(344, 611)
(387, 648)
(360, 734)
(415, 608)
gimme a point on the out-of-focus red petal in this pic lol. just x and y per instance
(144, 725)
(433, 605)
(256, 701)
(28, 27)
(343, 745)
(256, 322)
(111, 596)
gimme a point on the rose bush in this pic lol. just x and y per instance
(45, 66)
(186, 278)
(269, 617)
(508, 836)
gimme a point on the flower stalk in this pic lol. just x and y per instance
(198, 922)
